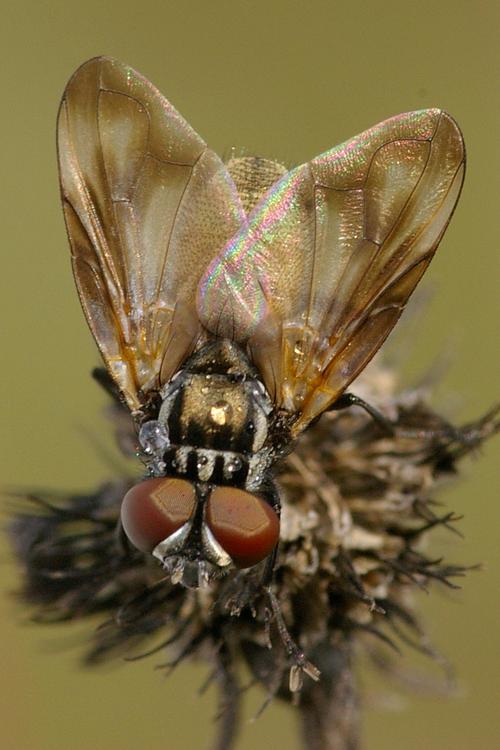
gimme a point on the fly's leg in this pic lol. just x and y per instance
(300, 664)
(350, 399)
(392, 429)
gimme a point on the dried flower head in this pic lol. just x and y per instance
(358, 505)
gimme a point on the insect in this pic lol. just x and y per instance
(234, 304)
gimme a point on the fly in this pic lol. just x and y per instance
(235, 303)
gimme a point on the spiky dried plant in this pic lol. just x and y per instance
(358, 507)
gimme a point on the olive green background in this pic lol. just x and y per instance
(285, 80)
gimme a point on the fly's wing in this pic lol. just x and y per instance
(316, 281)
(147, 206)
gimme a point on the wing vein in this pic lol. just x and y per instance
(161, 275)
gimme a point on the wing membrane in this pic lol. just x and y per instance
(147, 206)
(331, 255)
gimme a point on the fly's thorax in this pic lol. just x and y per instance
(218, 412)
(214, 422)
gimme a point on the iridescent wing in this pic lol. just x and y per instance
(147, 206)
(317, 280)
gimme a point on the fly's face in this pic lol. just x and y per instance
(242, 298)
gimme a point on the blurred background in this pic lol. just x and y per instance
(285, 80)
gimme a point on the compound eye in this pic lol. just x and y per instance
(245, 526)
(155, 508)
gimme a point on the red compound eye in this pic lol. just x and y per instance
(152, 510)
(245, 526)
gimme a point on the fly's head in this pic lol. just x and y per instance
(200, 531)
